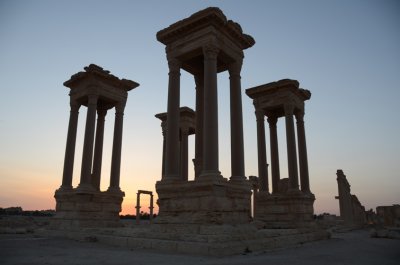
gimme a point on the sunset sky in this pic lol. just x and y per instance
(347, 53)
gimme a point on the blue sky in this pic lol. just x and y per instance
(345, 52)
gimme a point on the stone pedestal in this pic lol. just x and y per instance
(75, 209)
(204, 202)
(287, 210)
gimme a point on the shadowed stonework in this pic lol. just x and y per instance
(210, 215)
(287, 205)
(204, 44)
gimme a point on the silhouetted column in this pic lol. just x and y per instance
(198, 161)
(274, 153)
(303, 161)
(117, 147)
(291, 148)
(210, 123)
(98, 149)
(184, 153)
(70, 148)
(87, 155)
(237, 147)
(262, 154)
(138, 208)
(164, 133)
(172, 146)
(151, 207)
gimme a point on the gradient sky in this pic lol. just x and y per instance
(347, 53)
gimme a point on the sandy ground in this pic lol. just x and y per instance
(354, 247)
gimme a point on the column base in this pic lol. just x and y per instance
(237, 178)
(285, 210)
(85, 188)
(210, 175)
(214, 201)
(77, 209)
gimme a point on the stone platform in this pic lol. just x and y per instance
(82, 209)
(209, 240)
(285, 210)
(216, 201)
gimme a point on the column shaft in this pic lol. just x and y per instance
(138, 208)
(210, 119)
(198, 161)
(164, 128)
(237, 146)
(87, 154)
(70, 146)
(151, 208)
(117, 148)
(291, 148)
(262, 154)
(98, 149)
(184, 153)
(274, 154)
(173, 113)
(303, 161)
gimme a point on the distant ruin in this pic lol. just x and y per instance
(351, 210)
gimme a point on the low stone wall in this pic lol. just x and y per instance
(210, 240)
(204, 202)
(285, 210)
(87, 209)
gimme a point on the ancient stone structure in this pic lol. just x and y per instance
(204, 44)
(86, 205)
(389, 215)
(138, 205)
(351, 210)
(187, 124)
(287, 205)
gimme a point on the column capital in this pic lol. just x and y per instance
(164, 128)
(120, 107)
(184, 130)
(272, 120)
(199, 80)
(101, 112)
(299, 116)
(260, 114)
(235, 68)
(289, 109)
(92, 99)
(75, 105)
(174, 65)
(210, 51)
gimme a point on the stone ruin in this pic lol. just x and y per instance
(389, 215)
(286, 206)
(86, 205)
(351, 210)
(211, 214)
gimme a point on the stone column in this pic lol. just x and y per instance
(184, 153)
(138, 208)
(87, 156)
(117, 148)
(274, 153)
(262, 154)
(151, 207)
(291, 148)
(210, 119)
(198, 160)
(164, 132)
(173, 114)
(303, 161)
(98, 149)
(70, 148)
(237, 146)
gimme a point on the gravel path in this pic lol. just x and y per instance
(354, 247)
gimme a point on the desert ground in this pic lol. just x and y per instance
(354, 247)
